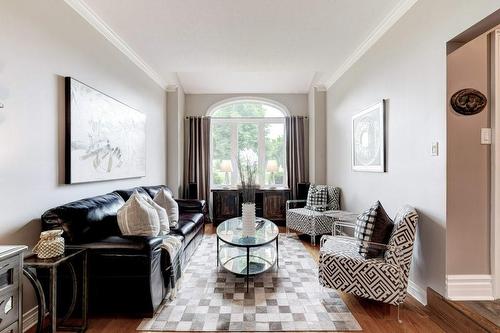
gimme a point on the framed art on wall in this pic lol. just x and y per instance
(105, 139)
(368, 139)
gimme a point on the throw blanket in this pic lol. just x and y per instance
(172, 243)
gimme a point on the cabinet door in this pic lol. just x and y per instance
(225, 204)
(274, 205)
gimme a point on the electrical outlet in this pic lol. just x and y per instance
(435, 149)
(486, 136)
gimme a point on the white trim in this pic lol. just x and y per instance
(495, 163)
(417, 292)
(469, 287)
(95, 21)
(262, 100)
(30, 318)
(391, 19)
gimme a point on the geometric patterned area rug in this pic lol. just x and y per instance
(285, 299)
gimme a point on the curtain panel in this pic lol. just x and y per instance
(297, 159)
(197, 155)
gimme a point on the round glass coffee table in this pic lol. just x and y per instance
(247, 255)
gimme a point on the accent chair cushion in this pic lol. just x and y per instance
(317, 197)
(138, 218)
(165, 200)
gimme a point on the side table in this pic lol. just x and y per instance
(341, 219)
(68, 258)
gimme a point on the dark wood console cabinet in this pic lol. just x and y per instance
(269, 203)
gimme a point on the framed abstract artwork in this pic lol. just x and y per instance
(105, 139)
(368, 139)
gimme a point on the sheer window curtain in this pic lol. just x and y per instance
(197, 155)
(297, 154)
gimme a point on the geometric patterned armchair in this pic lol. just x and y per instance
(311, 220)
(384, 278)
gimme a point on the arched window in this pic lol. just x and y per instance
(248, 123)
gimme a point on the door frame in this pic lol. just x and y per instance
(495, 161)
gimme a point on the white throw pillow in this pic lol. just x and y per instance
(162, 214)
(165, 200)
(138, 218)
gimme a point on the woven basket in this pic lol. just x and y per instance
(50, 245)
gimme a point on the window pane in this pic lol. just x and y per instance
(275, 153)
(248, 138)
(248, 109)
(221, 153)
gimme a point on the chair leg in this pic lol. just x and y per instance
(399, 317)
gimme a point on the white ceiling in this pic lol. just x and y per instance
(243, 46)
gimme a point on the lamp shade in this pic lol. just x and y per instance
(226, 166)
(272, 166)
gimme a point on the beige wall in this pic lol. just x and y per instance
(317, 136)
(175, 141)
(468, 166)
(43, 41)
(198, 104)
(408, 67)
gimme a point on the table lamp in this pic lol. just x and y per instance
(226, 166)
(272, 167)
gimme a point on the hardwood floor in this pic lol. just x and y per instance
(372, 316)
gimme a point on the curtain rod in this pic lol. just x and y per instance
(187, 117)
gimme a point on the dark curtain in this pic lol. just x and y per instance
(296, 152)
(197, 155)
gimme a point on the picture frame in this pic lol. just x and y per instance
(105, 139)
(368, 139)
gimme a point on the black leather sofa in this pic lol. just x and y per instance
(126, 273)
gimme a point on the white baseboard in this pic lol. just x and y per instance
(418, 293)
(30, 318)
(469, 287)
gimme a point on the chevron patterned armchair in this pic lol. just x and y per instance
(384, 278)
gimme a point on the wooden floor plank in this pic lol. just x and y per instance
(372, 316)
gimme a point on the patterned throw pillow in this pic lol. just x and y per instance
(333, 198)
(165, 200)
(373, 225)
(138, 218)
(317, 198)
(162, 214)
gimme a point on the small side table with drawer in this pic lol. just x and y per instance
(11, 272)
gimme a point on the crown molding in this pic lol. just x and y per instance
(391, 19)
(95, 21)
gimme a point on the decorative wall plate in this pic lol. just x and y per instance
(468, 101)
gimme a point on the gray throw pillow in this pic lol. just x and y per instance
(164, 199)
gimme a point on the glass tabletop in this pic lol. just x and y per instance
(231, 232)
(34, 261)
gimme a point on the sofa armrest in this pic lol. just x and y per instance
(191, 206)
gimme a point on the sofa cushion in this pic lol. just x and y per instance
(153, 190)
(188, 226)
(127, 193)
(86, 220)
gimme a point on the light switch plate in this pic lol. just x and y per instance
(435, 149)
(486, 136)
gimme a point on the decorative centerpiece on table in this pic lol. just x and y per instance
(247, 166)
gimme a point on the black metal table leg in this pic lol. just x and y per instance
(248, 266)
(277, 254)
(53, 299)
(40, 297)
